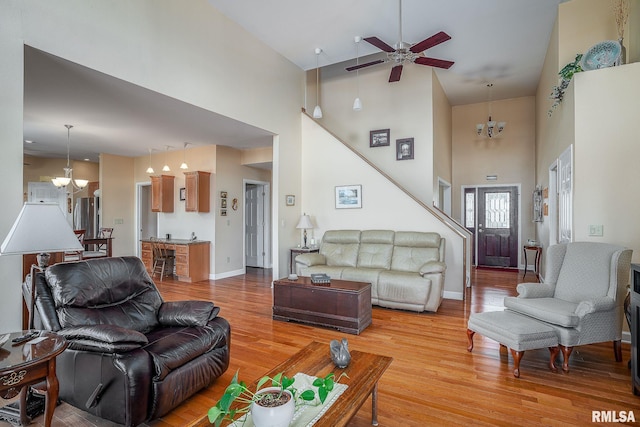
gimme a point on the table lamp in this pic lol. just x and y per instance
(304, 223)
(39, 229)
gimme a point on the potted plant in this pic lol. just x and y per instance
(271, 406)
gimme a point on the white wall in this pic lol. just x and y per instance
(168, 46)
(327, 163)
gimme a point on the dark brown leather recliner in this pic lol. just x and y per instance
(132, 357)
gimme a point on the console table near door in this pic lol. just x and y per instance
(26, 364)
(536, 261)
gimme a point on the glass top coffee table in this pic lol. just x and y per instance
(364, 371)
(29, 363)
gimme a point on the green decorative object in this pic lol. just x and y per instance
(566, 74)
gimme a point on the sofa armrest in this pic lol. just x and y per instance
(187, 313)
(103, 338)
(311, 259)
(594, 305)
(535, 290)
(432, 267)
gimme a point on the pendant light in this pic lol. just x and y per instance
(150, 169)
(184, 157)
(63, 181)
(317, 112)
(166, 167)
(357, 104)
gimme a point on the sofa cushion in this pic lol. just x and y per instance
(376, 249)
(403, 287)
(340, 247)
(414, 249)
(368, 275)
(115, 291)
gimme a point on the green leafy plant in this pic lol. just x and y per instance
(238, 391)
(566, 74)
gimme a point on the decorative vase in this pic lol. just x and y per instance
(340, 353)
(623, 53)
(274, 416)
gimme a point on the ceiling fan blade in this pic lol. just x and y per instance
(432, 41)
(368, 64)
(433, 62)
(379, 44)
(396, 72)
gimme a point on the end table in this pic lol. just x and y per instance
(26, 364)
(298, 251)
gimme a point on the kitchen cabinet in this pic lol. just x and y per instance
(197, 189)
(162, 193)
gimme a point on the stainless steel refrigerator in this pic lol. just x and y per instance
(86, 215)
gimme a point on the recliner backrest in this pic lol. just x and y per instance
(340, 247)
(412, 249)
(586, 271)
(376, 249)
(114, 291)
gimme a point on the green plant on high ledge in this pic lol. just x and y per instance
(566, 74)
(239, 391)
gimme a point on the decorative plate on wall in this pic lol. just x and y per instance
(602, 55)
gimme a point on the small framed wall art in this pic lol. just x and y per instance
(404, 149)
(379, 138)
(348, 196)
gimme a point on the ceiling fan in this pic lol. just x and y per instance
(403, 52)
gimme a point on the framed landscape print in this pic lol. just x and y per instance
(379, 138)
(349, 196)
(404, 149)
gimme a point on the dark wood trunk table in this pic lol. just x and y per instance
(364, 372)
(341, 304)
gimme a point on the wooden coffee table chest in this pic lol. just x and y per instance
(341, 304)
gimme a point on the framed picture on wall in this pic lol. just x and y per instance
(183, 193)
(404, 149)
(379, 138)
(290, 200)
(349, 196)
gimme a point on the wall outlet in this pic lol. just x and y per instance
(596, 230)
(118, 221)
(228, 259)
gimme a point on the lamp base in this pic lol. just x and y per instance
(43, 259)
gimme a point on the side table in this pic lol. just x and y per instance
(536, 261)
(298, 251)
(26, 364)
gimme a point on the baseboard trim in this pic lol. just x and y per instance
(228, 274)
(453, 295)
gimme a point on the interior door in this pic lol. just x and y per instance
(254, 220)
(498, 226)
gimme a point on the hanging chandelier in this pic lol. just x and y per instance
(493, 128)
(64, 181)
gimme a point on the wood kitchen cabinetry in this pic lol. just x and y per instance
(162, 193)
(197, 189)
(192, 258)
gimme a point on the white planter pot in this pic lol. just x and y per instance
(279, 416)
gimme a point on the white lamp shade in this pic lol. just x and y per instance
(81, 182)
(40, 227)
(317, 112)
(305, 222)
(357, 104)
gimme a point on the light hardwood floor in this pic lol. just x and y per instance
(433, 380)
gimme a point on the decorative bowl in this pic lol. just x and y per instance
(602, 55)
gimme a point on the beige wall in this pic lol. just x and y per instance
(442, 140)
(511, 156)
(405, 107)
(117, 195)
(39, 169)
(383, 205)
(159, 45)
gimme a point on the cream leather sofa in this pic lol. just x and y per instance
(405, 268)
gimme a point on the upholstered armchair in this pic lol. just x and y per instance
(582, 296)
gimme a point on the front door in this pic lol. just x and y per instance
(497, 227)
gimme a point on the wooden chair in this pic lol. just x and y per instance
(163, 262)
(100, 249)
(76, 255)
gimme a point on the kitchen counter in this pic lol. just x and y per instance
(192, 258)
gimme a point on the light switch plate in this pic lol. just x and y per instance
(596, 230)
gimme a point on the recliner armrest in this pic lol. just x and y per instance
(187, 313)
(594, 305)
(535, 290)
(432, 267)
(103, 338)
(311, 259)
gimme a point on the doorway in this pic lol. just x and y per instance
(146, 219)
(257, 231)
(491, 214)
